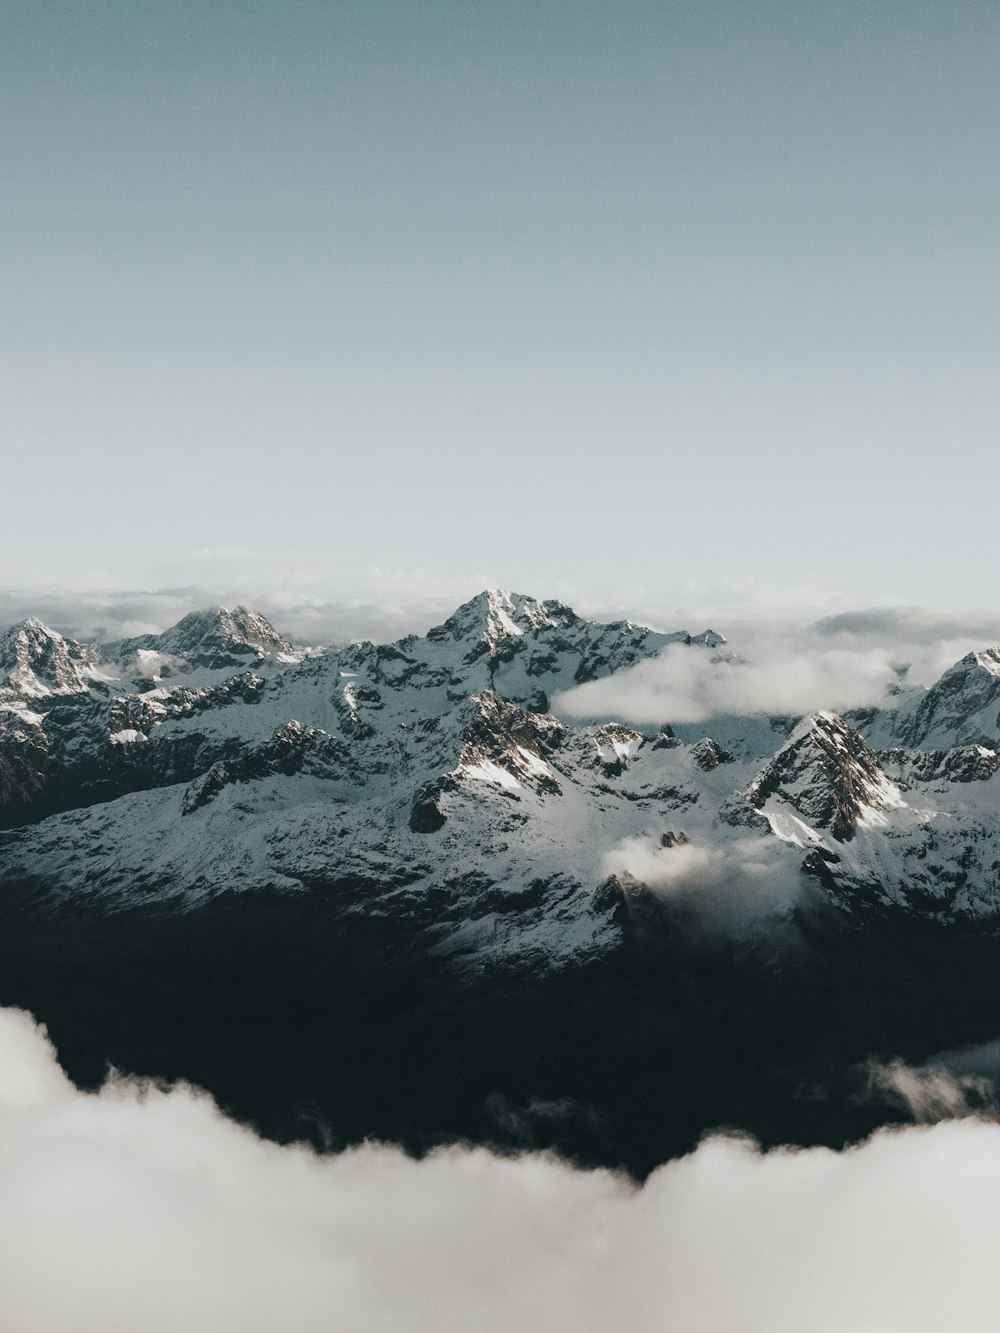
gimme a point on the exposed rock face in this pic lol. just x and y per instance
(828, 774)
(426, 779)
(709, 754)
(291, 749)
(427, 814)
(965, 763)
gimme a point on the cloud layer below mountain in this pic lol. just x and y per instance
(146, 1209)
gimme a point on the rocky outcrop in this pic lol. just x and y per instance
(291, 749)
(827, 774)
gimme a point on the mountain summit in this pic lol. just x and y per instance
(213, 638)
(36, 661)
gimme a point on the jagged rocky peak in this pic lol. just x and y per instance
(960, 708)
(491, 720)
(492, 616)
(708, 754)
(827, 774)
(709, 638)
(36, 660)
(232, 631)
(215, 637)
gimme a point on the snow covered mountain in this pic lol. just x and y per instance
(35, 661)
(428, 781)
(214, 638)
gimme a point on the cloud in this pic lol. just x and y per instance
(666, 869)
(929, 641)
(951, 1084)
(911, 625)
(102, 616)
(842, 662)
(146, 1209)
(931, 1093)
(782, 674)
(728, 888)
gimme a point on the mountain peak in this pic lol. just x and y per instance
(959, 708)
(827, 773)
(710, 638)
(37, 660)
(218, 633)
(495, 614)
(212, 637)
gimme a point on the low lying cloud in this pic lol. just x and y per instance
(96, 617)
(908, 625)
(842, 662)
(666, 869)
(147, 1210)
(931, 1093)
(951, 1084)
(729, 888)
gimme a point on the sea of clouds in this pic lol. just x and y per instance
(145, 1209)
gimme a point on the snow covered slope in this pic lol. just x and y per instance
(428, 781)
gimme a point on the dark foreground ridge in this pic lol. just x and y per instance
(312, 1029)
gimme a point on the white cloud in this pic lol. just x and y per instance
(846, 661)
(727, 888)
(147, 1210)
(665, 868)
(782, 673)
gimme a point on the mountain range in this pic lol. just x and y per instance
(402, 890)
(429, 781)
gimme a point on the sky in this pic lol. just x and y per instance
(673, 304)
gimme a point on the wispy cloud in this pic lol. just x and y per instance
(728, 888)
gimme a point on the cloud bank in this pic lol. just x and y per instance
(842, 662)
(95, 617)
(144, 1209)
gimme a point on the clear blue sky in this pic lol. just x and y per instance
(627, 295)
